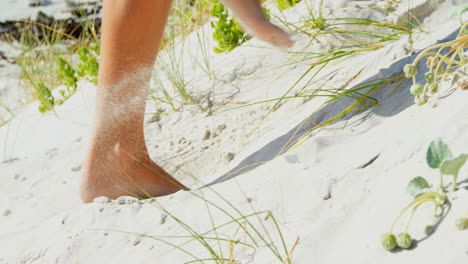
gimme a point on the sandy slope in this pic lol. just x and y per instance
(317, 192)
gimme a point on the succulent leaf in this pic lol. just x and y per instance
(451, 167)
(416, 185)
(437, 152)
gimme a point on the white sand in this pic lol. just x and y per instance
(317, 191)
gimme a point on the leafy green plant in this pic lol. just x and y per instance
(68, 74)
(416, 185)
(88, 66)
(284, 4)
(228, 32)
(46, 58)
(44, 95)
(404, 240)
(438, 156)
(440, 59)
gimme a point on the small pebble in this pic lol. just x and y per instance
(154, 118)
(230, 156)
(76, 168)
(16, 177)
(135, 240)
(207, 135)
(327, 189)
(6, 212)
(102, 199)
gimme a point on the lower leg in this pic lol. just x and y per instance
(117, 162)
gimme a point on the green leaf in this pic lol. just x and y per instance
(437, 152)
(451, 167)
(416, 185)
(458, 10)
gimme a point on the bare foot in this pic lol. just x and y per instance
(251, 16)
(118, 172)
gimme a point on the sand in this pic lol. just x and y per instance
(338, 191)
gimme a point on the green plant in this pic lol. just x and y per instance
(46, 60)
(388, 241)
(169, 82)
(284, 4)
(440, 59)
(438, 156)
(404, 240)
(68, 75)
(44, 95)
(428, 230)
(228, 32)
(458, 10)
(364, 36)
(6, 114)
(408, 20)
(88, 66)
(462, 223)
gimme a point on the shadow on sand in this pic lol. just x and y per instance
(387, 107)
